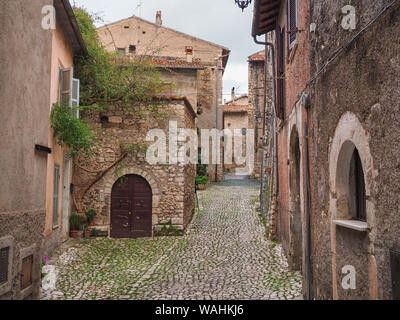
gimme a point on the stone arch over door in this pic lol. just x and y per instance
(111, 179)
(349, 246)
(295, 207)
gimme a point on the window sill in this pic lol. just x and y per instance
(352, 224)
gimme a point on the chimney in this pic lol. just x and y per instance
(158, 18)
(189, 54)
(233, 95)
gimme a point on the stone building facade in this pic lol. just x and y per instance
(137, 37)
(339, 136)
(236, 118)
(358, 114)
(171, 186)
(259, 97)
(26, 95)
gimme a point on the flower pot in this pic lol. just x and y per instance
(201, 186)
(91, 224)
(74, 233)
(86, 233)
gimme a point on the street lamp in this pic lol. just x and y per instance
(243, 4)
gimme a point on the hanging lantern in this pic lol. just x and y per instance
(243, 4)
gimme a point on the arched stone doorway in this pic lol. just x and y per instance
(296, 225)
(131, 208)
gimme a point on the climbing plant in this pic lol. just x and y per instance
(73, 132)
(108, 81)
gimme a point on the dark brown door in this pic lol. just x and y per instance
(131, 208)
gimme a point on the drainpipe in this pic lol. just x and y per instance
(263, 196)
(308, 224)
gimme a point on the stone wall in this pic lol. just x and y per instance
(256, 104)
(24, 108)
(360, 89)
(172, 184)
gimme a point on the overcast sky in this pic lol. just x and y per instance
(218, 21)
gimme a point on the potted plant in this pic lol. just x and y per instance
(201, 182)
(76, 223)
(90, 214)
(86, 231)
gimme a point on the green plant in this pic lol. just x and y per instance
(201, 180)
(76, 221)
(69, 130)
(90, 214)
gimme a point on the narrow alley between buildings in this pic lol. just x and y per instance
(225, 254)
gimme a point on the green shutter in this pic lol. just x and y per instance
(56, 191)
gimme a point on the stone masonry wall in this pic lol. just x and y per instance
(169, 182)
(364, 81)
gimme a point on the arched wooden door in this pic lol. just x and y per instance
(131, 208)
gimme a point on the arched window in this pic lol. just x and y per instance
(357, 199)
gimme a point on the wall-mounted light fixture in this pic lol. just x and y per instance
(243, 4)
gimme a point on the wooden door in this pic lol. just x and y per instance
(131, 208)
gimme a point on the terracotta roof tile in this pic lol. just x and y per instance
(175, 63)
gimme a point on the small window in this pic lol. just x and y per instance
(121, 51)
(4, 258)
(292, 15)
(357, 188)
(126, 27)
(189, 50)
(69, 89)
(26, 275)
(132, 48)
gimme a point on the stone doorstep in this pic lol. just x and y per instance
(101, 231)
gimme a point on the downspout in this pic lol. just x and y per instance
(263, 197)
(308, 224)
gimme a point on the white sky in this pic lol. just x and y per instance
(218, 21)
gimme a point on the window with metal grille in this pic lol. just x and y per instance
(4, 258)
(357, 188)
(56, 192)
(26, 275)
(292, 23)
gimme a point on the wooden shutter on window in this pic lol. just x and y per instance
(75, 97)
(66, 86)
(280, 108)
(56, 189)
(26, 276)
(292, 23)
(4, 258)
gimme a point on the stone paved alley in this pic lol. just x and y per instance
(224, 255)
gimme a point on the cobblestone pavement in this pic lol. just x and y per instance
(225, 255)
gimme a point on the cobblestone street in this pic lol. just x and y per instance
(224, 255)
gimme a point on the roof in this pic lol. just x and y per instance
(66, 17)
(175, 63)
(237, 98)
(265, 16)
(237, 108)
(225, 51)
(259, 56)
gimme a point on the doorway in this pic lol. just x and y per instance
(131, 208)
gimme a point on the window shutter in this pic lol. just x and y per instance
(26, 275)
(280, 107)
(4, 255)
(292, 22)
(56, 189)
(66, 86)
(75, 97)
